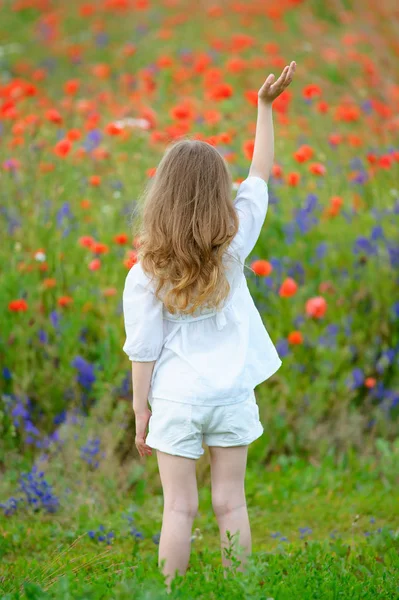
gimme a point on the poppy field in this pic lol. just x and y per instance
(91, 94)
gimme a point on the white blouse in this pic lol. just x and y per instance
(211, 357)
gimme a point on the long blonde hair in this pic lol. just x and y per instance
(188, 221)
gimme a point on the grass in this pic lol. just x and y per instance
(321, 530)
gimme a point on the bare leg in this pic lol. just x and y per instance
(179, 483)
(228, 467)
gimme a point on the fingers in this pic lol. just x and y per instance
(280, 83)
(266, 86)
(143, 449)
(290, 73)
(285, 78)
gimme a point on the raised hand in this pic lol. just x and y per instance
(271, 88)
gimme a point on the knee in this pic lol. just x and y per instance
(185, 506)
(224, 504)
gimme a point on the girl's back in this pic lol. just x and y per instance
(212, 356)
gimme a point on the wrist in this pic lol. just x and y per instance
(265, 102)
(140, 407)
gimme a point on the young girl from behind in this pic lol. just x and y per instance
(195, 338)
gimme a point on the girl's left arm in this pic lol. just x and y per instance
(144, 339)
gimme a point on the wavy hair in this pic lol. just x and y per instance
(188, 221)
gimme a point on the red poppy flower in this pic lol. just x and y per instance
(95, 180)
(303, 153)
(113, 129)
(348, 114)
(277, 171)
(252, 97)
(87, 10)
(71, 86)
(385, 161)
(295, 338)
(54, 116)
(74, 134)
(102, 71)
(335, 139)
(182, 111)
(323, 107)
(62, 148)
(370, 382)
(99, 248)
(261, 267)
(64, 301)
(293, 179)
(212, 117)
(95, 264)
(87, 241)
(19, 305)
(282, 102)
(131, 259)
(121, 239)
(311, 91)
(288, 288)
(236, 65)
(316, 307)
(241, 41)
(317, 169)
(220, 92)
(49, 283)
(248, 148)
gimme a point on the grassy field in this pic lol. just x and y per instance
(90, 96)
(325, 530)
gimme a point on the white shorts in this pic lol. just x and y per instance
(179, 428)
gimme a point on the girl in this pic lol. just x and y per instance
(197, 343)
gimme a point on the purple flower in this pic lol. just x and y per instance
(86, 376)
(282, 348)
(321, 250)
(7, 374)
(367, 106)
(55, 319)
(363, 244)
(63, 213)
(275, 535)
(38, 492)
(357, 377)
(377, 233)
(393, 252)
(43, 336)
(361, 178)
(90, 452)
(93, 139)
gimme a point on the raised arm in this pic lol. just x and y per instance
(263, 156)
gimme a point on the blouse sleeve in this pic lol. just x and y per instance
(251, 204)
(143, 318)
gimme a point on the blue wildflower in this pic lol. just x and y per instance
(364, 245)
(357, 378)
(282, 347)
(86, 376)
